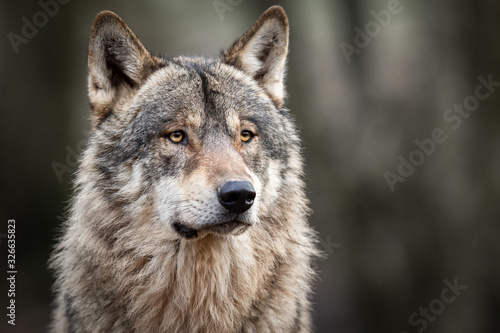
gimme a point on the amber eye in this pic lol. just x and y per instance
(176, 136)
(246, 136)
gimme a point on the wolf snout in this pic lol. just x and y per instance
(237, 196)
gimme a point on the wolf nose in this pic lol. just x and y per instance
(237, 196)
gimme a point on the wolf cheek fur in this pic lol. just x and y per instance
(189, 213)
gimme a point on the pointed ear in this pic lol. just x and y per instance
(118, 64)
(261, 52)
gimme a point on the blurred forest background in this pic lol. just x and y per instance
(360, 99)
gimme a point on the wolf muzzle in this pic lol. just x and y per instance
(236, 197)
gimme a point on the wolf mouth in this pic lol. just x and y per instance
(222, 228)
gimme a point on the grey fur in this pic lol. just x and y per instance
(147, 246)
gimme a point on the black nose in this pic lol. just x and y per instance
(237, 196)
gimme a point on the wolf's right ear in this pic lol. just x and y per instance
(118, 63)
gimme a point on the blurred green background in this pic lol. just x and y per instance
(389, 251)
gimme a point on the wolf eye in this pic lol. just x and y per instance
(246, 136)
(176, 136)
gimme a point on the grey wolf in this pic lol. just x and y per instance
(189, 213)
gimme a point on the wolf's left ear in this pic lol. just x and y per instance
(261, 52)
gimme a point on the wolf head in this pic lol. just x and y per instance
(199, 146)
(189, 213)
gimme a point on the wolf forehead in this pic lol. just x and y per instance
(205, 87)
(202, 95)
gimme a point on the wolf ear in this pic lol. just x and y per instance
(118, 63)
(261, 52)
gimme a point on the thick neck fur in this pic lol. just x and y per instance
(169, 284)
